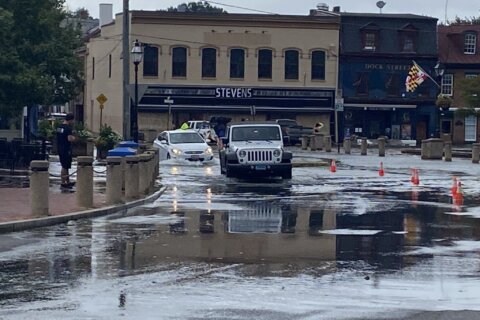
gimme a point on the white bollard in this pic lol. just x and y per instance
(39, 188)
(131, 178)
(114, 180)
(85, 182)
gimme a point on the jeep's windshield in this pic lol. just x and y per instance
(185, 137)
(255, 133)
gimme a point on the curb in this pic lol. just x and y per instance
(319, 163)
(21, 225)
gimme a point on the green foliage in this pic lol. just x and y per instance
(47, 128)
(82, 13)
(198, 7)
(81, 132)
(464, 21)
(107, 139)
(470, 91)
(37, 55)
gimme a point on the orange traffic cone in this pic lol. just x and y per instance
(458, 198)
(333, 166)
(416, 179)
(381, 172)
(454, 186)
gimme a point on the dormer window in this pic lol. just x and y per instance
(470, 43)
(408, 38)
(408, 45)
(370, 37)
(370, 41)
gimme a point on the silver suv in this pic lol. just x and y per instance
(252, 149)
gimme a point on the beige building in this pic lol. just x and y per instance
(243, 66)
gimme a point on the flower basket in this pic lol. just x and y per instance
(444, 102)
(106, 140)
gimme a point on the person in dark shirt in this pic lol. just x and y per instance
(65, 138)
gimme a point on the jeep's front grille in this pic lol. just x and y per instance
(259, 156)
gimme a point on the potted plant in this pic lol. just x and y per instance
(444, 101)
(106, 140)
(83, 145)
(47, 132)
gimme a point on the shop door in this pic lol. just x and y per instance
(421, 130)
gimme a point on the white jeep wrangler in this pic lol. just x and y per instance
(252, 149)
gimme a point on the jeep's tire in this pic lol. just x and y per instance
(287, 175)
(228, 172)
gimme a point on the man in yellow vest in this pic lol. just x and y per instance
(185, 126)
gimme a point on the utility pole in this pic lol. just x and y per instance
(126, 71)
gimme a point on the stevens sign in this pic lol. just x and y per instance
(233, 92)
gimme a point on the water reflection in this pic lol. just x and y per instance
(265, 236)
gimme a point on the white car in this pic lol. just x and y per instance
(202, 127)
(183, 144)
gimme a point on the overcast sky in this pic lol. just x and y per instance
(433, 8)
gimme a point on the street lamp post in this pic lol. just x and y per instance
(169, 115)
(439, 70)
(137, 55)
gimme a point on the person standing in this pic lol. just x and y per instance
(65, 138)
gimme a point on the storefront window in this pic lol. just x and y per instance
(361, 84)
(392, 85)
(471, 128)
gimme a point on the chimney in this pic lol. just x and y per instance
(322, 7)
(336, 9)
(106, 13)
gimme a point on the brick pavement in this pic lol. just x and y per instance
(15, 203)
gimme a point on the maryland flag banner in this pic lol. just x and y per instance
(415, 77)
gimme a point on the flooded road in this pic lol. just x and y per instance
(349, 245)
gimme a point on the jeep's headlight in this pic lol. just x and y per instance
(242, 153)
(176, 151)
(276, 153)
(208, 150)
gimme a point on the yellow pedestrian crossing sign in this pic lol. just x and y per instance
(101, 99)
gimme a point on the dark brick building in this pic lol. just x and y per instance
(376, 53)
(459, 52)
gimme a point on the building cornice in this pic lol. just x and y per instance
(236, 20)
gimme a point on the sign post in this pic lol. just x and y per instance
(169, 102)
(339, 106)
(101, 99)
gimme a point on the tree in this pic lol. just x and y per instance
(36, 56)
(470, 92)
(82, 13)
(199, 7)
(464, 21)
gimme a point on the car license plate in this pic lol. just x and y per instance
(260, 167)
(195, 157)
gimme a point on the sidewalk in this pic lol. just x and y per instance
(15, 210)
(16, 203)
